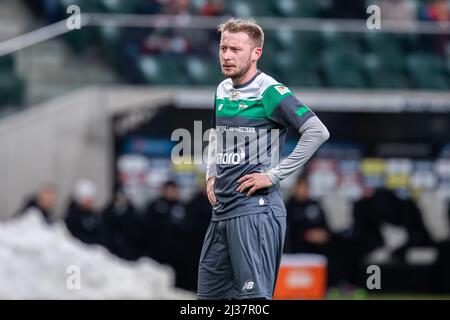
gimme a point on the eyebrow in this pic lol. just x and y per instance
(231, 46)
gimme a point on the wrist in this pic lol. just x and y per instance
(272, 177)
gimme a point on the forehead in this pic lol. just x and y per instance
(234, 38)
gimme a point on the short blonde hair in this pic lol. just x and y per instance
(249, 26)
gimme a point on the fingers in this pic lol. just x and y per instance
(246, 177)
(252, 190)
(245, 186)
(252, 185)
(245, 182)
(211, 197)
(252, 181)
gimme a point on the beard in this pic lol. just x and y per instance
(238, 73)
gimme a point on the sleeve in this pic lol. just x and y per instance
(212, 147)
(313, 135)
(211, 170)
(284, 108)
(213, 116)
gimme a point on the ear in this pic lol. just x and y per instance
(256, 53)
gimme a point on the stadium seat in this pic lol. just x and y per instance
(79, 40)
(381, 76)
(249, 8)
(162, 70)
(286, 38)
(293, 8)
(383, 43)
(119, 6)
(410, 42)
(6, 63)
(109, 40)
(343, 68)
(382, 79)
(202, 71)
(85, 6)
(341, 41)
(11, 89)
(428, 71)
(296, 50)
(283, 66)
(306, 78)
(295, 68)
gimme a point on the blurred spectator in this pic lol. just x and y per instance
(42, 204)
(167, 212)
(36, 7)
(398, 10)
(51, 9)
(199, 212)
(308, 232)
(82, 220)
(149, 7)
(120, 222)
(308, 229)
(165, 219)
(167, 225)
(212, 8)
(178, 8)
(442, 266)
(169, 40)
(384, 207)
(348, 9)
(165, 41)
(437, 11)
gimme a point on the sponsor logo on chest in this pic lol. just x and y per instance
(234, 95)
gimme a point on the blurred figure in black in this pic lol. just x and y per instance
(436, 11)
(165, 221)
(198, 218)
(120, 221)
(308, 232)
(82, 220)
(308, 229)
(442, 266)
(42, 204)
(347, 9)
(385, 207)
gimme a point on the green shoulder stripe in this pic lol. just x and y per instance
(273, 95)
(300, 111)
(240, 108)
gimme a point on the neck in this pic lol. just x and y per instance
(246, 77)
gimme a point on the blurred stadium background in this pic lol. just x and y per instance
(86, 118)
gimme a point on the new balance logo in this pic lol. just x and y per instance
(248, 285)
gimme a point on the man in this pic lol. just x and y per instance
(165, 221)
(119, 222)
(42, 204)
(243, 245)
(82, 219)
(308, 229)
(309, 232)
